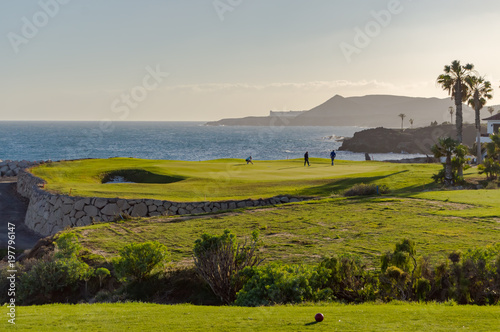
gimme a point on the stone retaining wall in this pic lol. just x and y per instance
(10, 168)
(50, 213)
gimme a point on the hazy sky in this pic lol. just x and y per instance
(205, 59)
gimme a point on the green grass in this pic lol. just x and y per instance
(304, 232)
(486, 202)
(229, 178)
(154, 317)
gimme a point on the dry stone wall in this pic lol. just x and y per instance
(50, 213)
(10, 168)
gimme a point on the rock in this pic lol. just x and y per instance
(294, 200)
(66, 208)
(66, 222)
(79, 214)
(100, 202)
(79, 205)
(241, 204)
(197, 211)
(110, 210)
(182, 211)
(91, 211)
(85, 221)
(152, 208)
(284, 199)
(123, 204)
(139, 210)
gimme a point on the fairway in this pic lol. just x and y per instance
(305, 232)
(153, 317)
(229, 178)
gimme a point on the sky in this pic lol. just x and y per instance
(200, 60)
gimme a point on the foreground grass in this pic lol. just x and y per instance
(307, 231)
(230, 178)
(152, 317)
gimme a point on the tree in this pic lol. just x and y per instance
(411, 122)
(102, 273)
(491, 165)
(480, 91)
(219, 260)
(455, 160)
(402, 116)
(451, 110)
(453, 81)
(491, 110)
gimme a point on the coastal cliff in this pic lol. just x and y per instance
(365, 111)
(418, 140)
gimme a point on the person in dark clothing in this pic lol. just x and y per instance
(306, 158)
(249, 160)
(332, 156)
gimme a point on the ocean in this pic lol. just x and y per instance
(172, 140)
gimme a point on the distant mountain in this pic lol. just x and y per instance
(366, 111)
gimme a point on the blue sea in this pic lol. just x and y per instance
(171, 140)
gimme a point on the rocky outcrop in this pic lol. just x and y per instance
(10, 168)
(50, 213)
(418, 140)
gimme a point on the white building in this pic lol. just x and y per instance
(492, 127)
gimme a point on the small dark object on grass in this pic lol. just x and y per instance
(319, 317)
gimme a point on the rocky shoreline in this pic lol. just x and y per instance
(414, 141)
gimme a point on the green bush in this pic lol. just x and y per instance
(342, 278)
(67, 246)
(363, 189)
(278, 284)
(48, 276)
(138, 260)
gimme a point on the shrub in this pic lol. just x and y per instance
(347, 278)
(138, 260)
(67, 246)
(362, 189)
(342, 278)
(278, 284)
(219, 259)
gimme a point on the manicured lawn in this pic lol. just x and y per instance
(486, 202)
(307, 231)
(153, 317)
(231, 178)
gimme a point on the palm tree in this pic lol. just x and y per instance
(491, 110)
(453, 81)
(445, 148)
(411, 122)
(402, 116)
(451, 110)
(480, 91)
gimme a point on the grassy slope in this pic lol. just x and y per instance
(231, 178)
(152, 317)
(306, 231)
